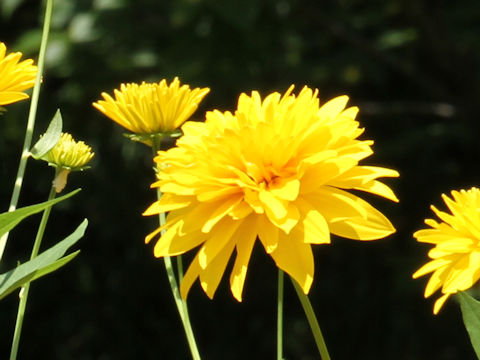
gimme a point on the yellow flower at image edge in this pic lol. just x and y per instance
(456, 256)
(276, 169)
(15, 76)
(151, 108)
(68, 155)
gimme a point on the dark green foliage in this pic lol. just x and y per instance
(411, 67)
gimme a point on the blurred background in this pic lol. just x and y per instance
(412, 68)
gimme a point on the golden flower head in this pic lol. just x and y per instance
(277, 169)
(15, 76)
(150, 108)
(69, 154)
(456, 256)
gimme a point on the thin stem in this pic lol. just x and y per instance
(312, 320)
(26, 288)
(181, 304)
(31, 120)
(280, 316)
(180, 268)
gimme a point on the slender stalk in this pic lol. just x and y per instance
(312, 320)
(280, 316)
(26, 288)
(181, 304)
(180, 268)
(31, 120)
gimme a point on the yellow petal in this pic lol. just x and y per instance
(430, 266)
(457, 245)
(375, 226)
(274, 207)
(331, 109)
(335, 204)
(218, 194)
(463, 274)
(359, 175)
(240, 211)
(210, 276)
(222, 208)
(218, 238)
(244, 237)
(289, 221)
(439, 303)
(267, 233)
(313, 224)
(189, 278)
(436, 281)
(286, 189)
(371, 226)
(8, 97)
(295, 257)
(168, 202)
(378, 188)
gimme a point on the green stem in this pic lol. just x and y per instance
(312, 320)
(181, 304)
(31, 120)
(26, 288)
(280, 316)
(180, 268)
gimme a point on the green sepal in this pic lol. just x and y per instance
(45, 263)
(50, 138)
(9, 220)
(149, 139)
(81, 168)
(471, 319)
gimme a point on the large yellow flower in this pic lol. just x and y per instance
(276, 169)
(15, 76)
(456, 256)
(151, 108)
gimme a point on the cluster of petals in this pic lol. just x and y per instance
(279, 170)
(151, 108)
(69, 154)
(15, 76)
(455, 259)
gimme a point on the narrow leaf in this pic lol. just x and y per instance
(50, 138)
(471, 318)
(48, 261)
(9, 220)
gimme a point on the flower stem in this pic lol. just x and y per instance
(280, 316)
(25, 289)
(31, 120)
(312, 320)
(180, 268)
(181, 304)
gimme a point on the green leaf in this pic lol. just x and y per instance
(9, 220)
(471, 318)
(50, 138)
(48, 261)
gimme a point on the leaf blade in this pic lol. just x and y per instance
(8, 220)
(471, 318)
(50, 138)
(45, 263)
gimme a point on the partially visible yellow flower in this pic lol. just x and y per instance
(69, 154)
(456, 256)
(66, 156)
(15, 76)
(276, 169)
(151, 108)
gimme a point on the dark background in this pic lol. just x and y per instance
(412, 68)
